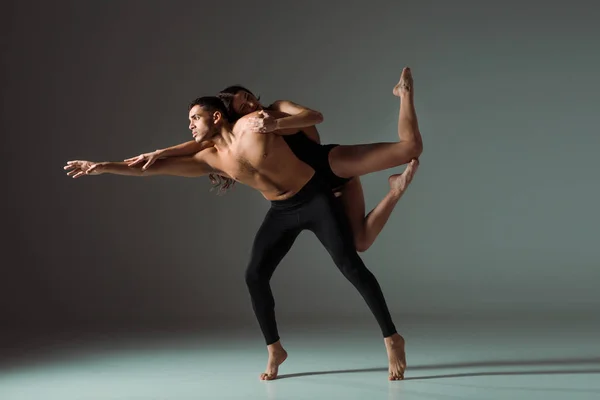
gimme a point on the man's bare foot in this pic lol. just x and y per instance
(396, 357)
(277, 356)
(399, 182)
(405, 85)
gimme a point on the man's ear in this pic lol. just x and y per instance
(217, 117)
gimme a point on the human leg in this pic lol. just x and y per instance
(329, 224)
(273, 240)
(365, 229)
(356, 160)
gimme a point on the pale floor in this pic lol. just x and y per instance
(446, 360)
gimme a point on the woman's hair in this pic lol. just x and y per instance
(226, 96)
(220, 183)
(233, 89)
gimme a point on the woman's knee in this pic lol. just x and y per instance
(361, 242)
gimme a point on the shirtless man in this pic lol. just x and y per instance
(299, 201)
(339, 165)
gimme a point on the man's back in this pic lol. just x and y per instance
(262, 161)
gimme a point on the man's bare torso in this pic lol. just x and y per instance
(261, 161)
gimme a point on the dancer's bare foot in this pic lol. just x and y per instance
(399, 182)
(405, 85)
(277, 356)
(396, 357)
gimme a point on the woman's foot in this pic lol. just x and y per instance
(399, 182)
(405, 85)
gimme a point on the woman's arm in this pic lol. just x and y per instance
(183, 149)
(286, 118)
(299, 116)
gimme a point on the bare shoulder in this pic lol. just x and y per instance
(256, 114)
(206, 153)
(277, 113)
(289, 107)
(210, 158)
(280, 105)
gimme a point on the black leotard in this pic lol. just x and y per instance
(317, 156)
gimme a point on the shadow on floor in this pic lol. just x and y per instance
(483, 364)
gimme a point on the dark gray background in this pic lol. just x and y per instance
(501, 218)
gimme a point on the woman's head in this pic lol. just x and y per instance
(239, 101)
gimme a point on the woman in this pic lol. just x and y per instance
(340, 165)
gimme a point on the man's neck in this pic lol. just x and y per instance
(225, 137)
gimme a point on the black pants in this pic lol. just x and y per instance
(314, 208)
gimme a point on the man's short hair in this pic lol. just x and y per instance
(211, 104)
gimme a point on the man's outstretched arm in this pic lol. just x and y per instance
(186, 166)
(182, 149)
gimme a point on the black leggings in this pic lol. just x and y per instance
(313, 208)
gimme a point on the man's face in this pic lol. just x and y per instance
(244, 103)
(203, 123)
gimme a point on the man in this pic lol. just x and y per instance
(299, 201)
(339, 165)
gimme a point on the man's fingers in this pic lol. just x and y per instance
(80, 173)
(71, 164)
(68, 166)
(131, 159)
(73, 172)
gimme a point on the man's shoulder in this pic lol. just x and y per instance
(207, 151)
(244, 118)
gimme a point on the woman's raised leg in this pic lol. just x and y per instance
(356, 160)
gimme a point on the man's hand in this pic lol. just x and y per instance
(150, 158)
(79, 168)
(262, 123)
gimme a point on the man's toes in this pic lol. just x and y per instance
(267, 377)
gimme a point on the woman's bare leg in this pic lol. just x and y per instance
(356, 160)
(366, 229)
